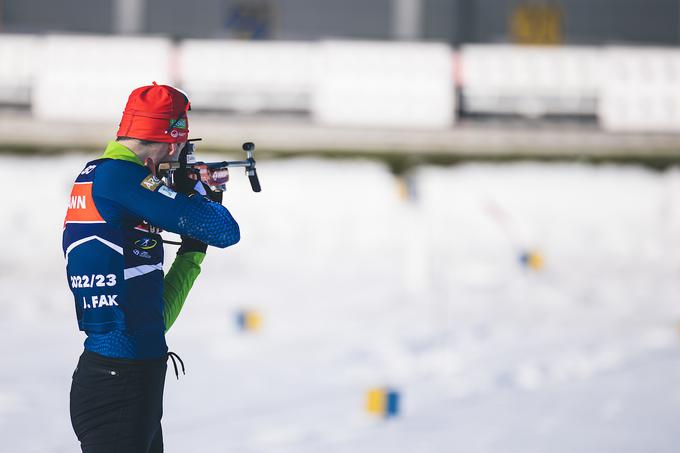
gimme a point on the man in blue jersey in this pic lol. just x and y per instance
(114, 264)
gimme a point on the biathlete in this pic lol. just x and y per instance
(114, 263)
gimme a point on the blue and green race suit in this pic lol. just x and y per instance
(114, 253)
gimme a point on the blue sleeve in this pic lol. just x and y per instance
(118, 185)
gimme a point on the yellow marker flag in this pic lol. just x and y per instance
(375, 401)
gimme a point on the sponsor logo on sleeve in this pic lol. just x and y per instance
(151, 183)
(168, 192)
(141, 253)
(146, 243)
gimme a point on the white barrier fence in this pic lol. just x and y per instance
(88, 78)
(385, 85)
(642, 92)
(372, 84)
(629, 89)
(20, 56)
(530, 80)
(248, 77)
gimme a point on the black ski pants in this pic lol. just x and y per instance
(117, 404)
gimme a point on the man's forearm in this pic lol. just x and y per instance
(177, 284)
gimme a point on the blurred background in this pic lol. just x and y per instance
(466, 240)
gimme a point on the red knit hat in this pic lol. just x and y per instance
(157, 113)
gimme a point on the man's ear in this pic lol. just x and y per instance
(151, 165)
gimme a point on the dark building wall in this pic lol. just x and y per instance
(440, 20)
(287, 19)
(185, 18)
(453, 21)
(35, 16)
(643, 21)
(584, 21)
(314, 19)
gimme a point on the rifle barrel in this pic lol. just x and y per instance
(227, 163)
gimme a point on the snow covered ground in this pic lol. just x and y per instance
(359, 288)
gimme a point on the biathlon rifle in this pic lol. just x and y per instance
(213, 174)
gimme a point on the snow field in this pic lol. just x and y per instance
(359, 288)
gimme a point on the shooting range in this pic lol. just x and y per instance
(459, 220)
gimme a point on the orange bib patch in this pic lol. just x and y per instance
(81, 207)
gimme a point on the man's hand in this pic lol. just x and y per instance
(191, 245)
(185, 182)
(212, 195)
(188, 186)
